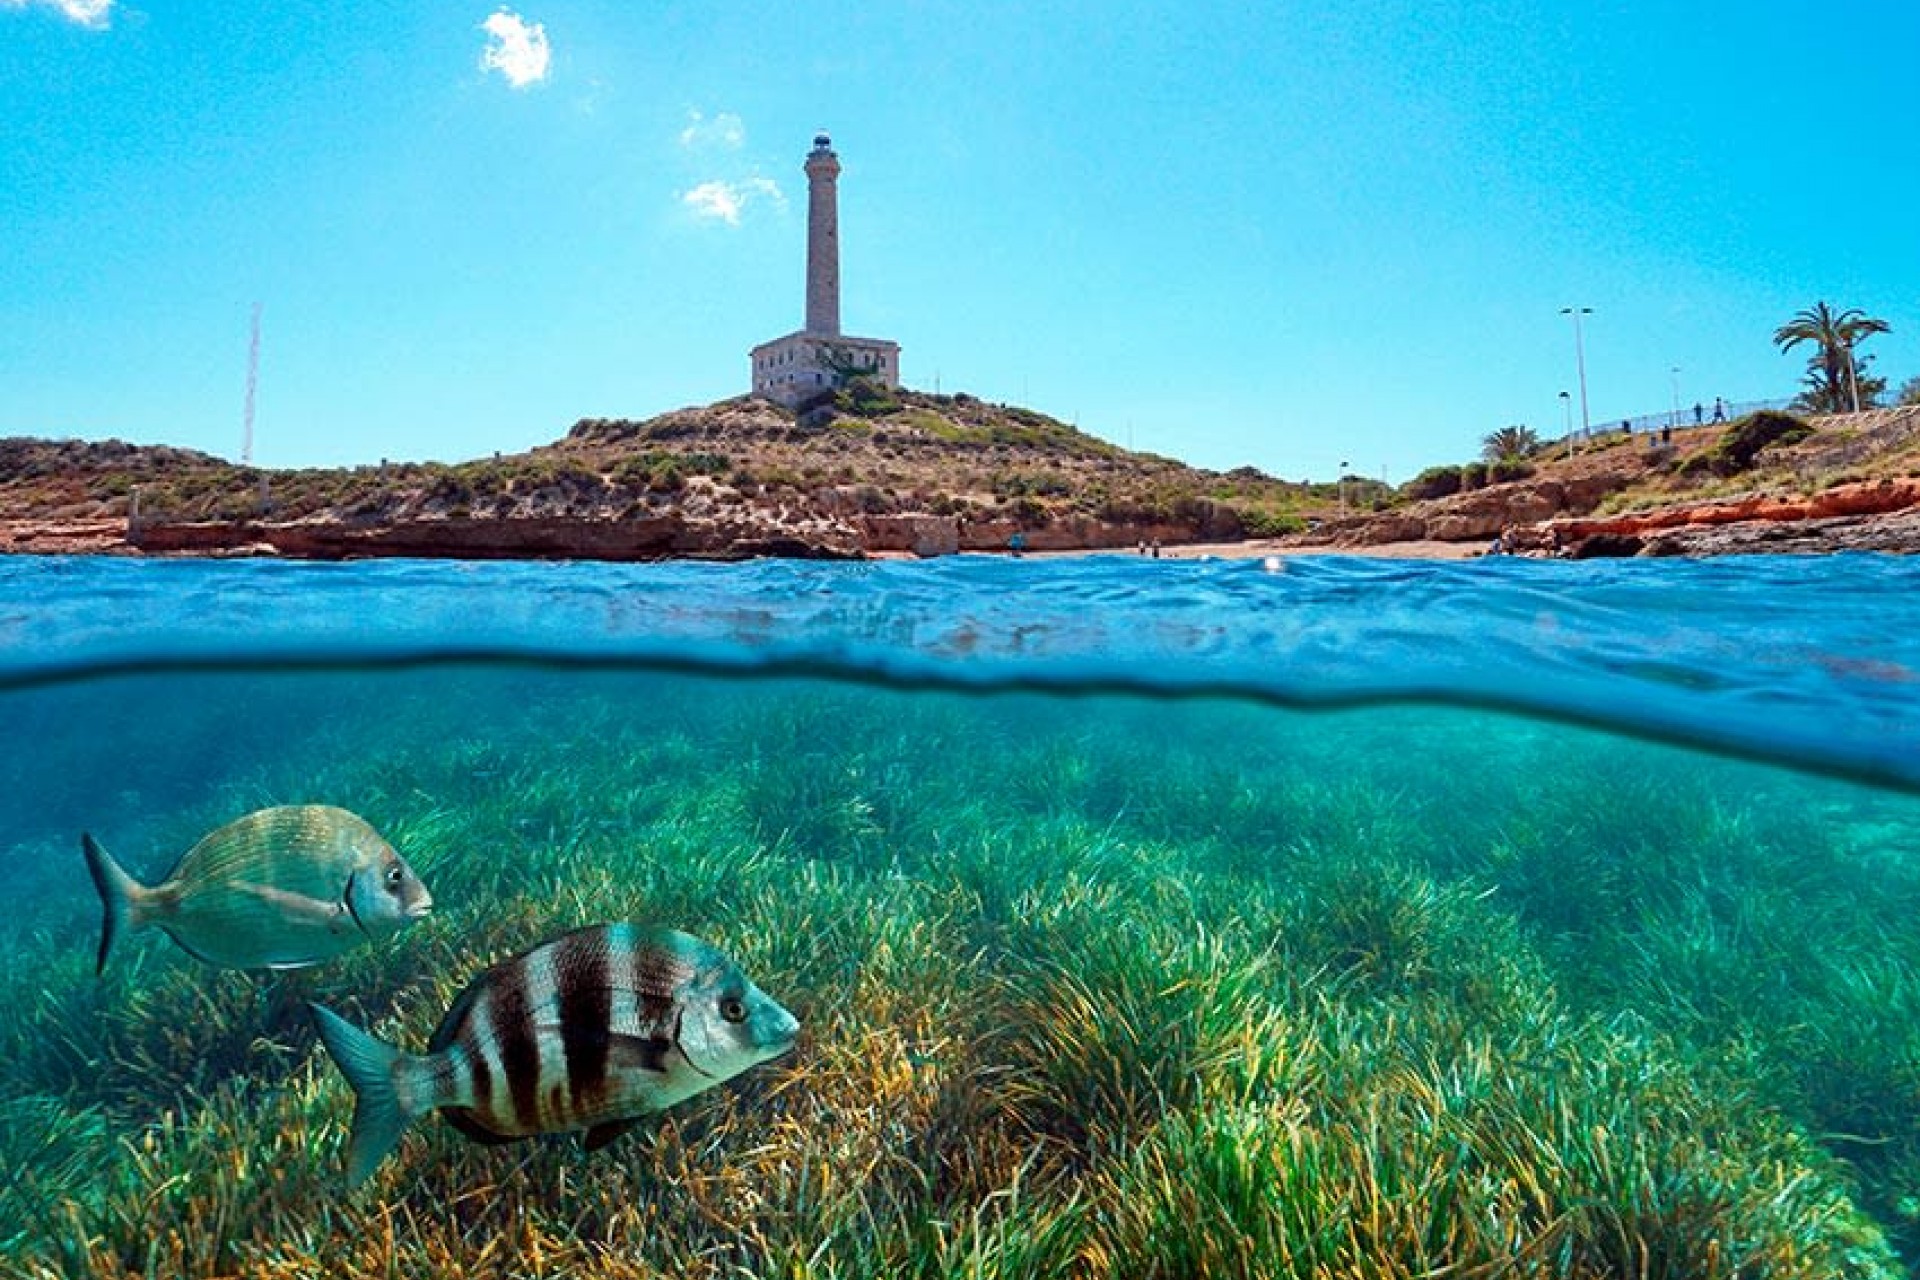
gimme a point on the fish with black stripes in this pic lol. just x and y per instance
(279, 888)
(594, 1030)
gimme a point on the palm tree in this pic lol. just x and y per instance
(1508, 442)
(1833, 377)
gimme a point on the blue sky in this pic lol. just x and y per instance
(1290, 234)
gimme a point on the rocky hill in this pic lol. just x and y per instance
(868, 471)
(872, 471)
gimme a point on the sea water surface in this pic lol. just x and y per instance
(1304, 917)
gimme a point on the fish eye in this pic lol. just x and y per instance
(395, 874)
(733, 1009)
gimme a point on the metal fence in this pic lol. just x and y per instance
(1702, 414)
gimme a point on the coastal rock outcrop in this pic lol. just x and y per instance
(1480, 514)
(1879, 515)
(713, 536)
(654, 538)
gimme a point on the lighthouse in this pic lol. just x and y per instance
(799, 366)
(823, 238)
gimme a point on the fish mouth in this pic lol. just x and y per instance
(420, 910)
(782, 1046)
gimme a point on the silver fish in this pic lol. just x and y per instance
(593, 1030)
(279, 888)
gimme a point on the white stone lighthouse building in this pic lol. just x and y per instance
(790, 369)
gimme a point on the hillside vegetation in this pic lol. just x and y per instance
(871, 469)
(867, 452)
(1764, 469)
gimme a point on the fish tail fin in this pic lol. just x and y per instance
(121, 898)
(380, 1112)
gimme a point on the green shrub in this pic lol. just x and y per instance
(866, 398)
(1434, 482)
(1270, 524)
(1743, 440)
(449, 488)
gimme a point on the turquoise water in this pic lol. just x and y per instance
(1145, 917)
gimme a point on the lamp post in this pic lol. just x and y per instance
(1580, 363)
(1674, 373)
(1566, 402)
(1343, 487)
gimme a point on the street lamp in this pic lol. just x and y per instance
(1343, 487)
(1566, 402)
(1674, 422)
(1580, 362)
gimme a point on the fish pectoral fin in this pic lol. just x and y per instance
(638, 1053)
(601, 1134)
(624, 1052)
(296, 908)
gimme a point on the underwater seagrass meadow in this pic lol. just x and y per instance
(1091, 984)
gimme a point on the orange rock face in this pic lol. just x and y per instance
(1871, 498)
(63, 537)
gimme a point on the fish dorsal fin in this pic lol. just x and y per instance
(455, 1018)
(601, 1134)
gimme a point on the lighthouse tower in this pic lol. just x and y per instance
(823, 238)
(819, 357)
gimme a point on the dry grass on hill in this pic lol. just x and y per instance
(897, 452)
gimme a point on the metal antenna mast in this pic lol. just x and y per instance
(253, 381)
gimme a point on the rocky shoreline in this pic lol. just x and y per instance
(664, 537)
(1803, 497)
(1883, 517)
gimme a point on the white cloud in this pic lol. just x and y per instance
(724, 130)
(516, 48)
(94, 14)
(715, 200)
(726, 201)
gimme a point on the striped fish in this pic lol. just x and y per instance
(593, 1030)
(277, 889)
